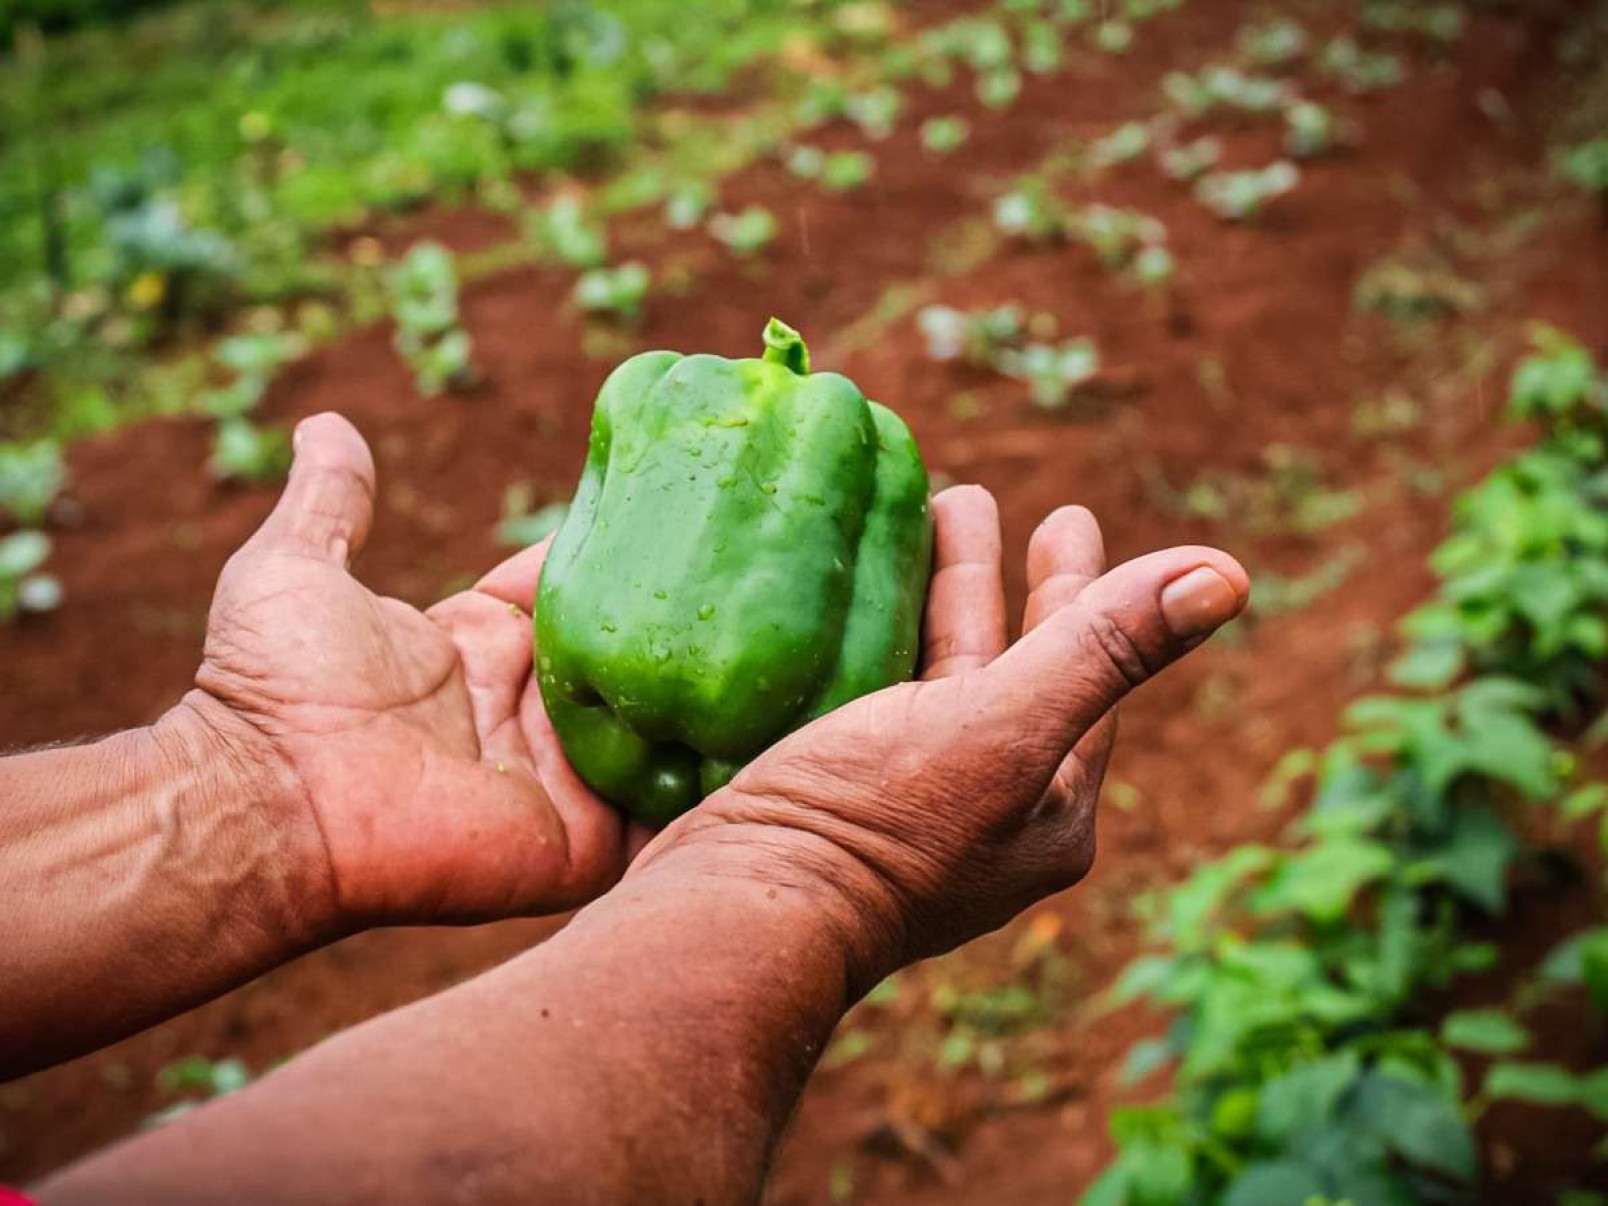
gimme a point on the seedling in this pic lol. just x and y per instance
(1277, 44)
(1360, 70)
(943, 135)
(618, 292)
(1191, 161)
(1116, 235)
(1054, 374)
(1030, 211)
(687, 205)
(846, 171)
(1309, 130)
(875, 112)
(520, 526)
(1195, 96)
(22, 587)
(977, 337)
(1438, 22)
(253, 361)
(1241, 196)
(1127, 142)
(999, 89)
(31, 478)
(424, 301)
(244, 452)
(806, 162)
(565, 232)
(747, 233)
(1113, 37)
(1041, 48)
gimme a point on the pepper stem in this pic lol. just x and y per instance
(785, 346)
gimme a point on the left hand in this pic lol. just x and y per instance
(414, 743)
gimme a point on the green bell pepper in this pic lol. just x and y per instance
(748, 549)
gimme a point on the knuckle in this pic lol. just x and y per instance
(1110, 642)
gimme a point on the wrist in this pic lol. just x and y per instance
(255, 819)
(830, 897)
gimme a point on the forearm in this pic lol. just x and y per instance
(651, 1052)
(144, 874)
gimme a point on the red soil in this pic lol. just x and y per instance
(1259, 345)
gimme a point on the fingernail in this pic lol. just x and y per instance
(1199, 602)
(296, 436)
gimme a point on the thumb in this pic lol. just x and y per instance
(328, 504)
(1123, 628)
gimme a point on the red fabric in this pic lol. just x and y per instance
(10, 1197)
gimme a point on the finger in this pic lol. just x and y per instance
(327, 507)
(1067, 553)
(494, 645)
(965, 622)
(515, 580)
(1122, 629)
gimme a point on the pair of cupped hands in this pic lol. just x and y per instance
(414, 748)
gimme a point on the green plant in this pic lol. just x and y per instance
(1224, 87)
(22, 587)
(1358, 69)
(688, 204)
(564, 231)
(520, 526)
(746, 233)
(1309, 130)
(202, 1079)
(875, 112)
(1113, 36)
(1439, 22)
(245, 452)
(1276, 44)
(1116, 235)
(1055, 374)
(1525, 572)
(31, 478)
(999, 89)
(1127, 142)
(1192, 160)
(1586, 166)
(1241, 196)
(977, 337)
(847, 171)
(423, 291)
(1295, 972)
(1031, 210)
(251, 362)
(943, 135)
(619, 291)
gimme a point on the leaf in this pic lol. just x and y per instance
(1322, 881)
(1539, 1084)
(1143, 1058)
(1304, 1097)
(1276, 1183)
(1429, 666)
(1487, 1031)
(1417, 1122)
(1474, 858)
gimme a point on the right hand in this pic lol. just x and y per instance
(929, 813)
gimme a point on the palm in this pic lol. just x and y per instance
(418, 739)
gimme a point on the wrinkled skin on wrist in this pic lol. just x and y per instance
(932, 812)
